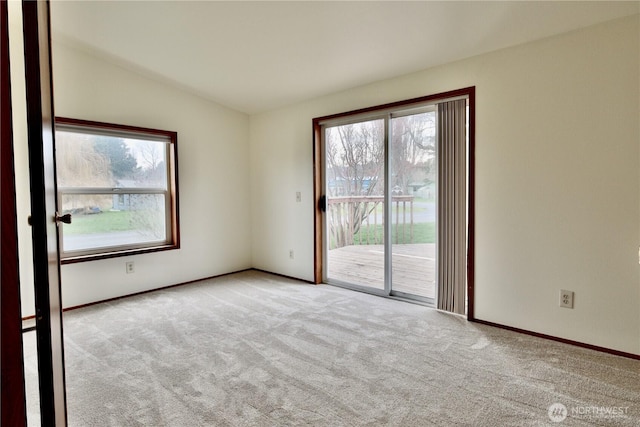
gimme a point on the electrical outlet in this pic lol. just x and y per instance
(566, 299)
(291, 254)
(298, 196)
(129, 267)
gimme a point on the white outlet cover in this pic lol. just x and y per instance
(566, 298)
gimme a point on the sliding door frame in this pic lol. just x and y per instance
(381, 111)
(360, 118)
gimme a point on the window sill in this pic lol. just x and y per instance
(115, 254)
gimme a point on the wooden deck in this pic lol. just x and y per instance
(413, 267)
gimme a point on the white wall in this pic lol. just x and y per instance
(557, 184)
(213, 176)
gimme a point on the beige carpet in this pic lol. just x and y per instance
(252, 349)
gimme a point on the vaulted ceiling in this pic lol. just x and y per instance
(256, 56)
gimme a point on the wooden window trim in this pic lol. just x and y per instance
(174, 213)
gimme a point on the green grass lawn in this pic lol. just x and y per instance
(104, 222)
(422, 233)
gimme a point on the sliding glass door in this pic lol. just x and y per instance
(380, 220)
(355, 192)
(413, 164)
(394, 209)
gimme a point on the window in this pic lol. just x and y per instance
(119, 183)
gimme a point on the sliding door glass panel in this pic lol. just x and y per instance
(413, 204)
(355, 217)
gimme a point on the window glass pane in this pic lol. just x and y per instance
(413, 197)
(90, 160)
(355, 186)
(101, 221)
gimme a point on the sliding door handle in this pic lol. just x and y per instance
(322, 203)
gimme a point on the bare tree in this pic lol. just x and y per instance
(355, 165)
(413, 149)
(148, 210)
(151, 161)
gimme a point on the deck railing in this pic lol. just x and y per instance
(359, 220)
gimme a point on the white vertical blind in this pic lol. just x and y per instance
(452, 206)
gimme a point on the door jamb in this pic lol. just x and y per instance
(40, 127)
(13, 407)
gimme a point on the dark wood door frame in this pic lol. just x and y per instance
(46, 258)
(13, 395)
